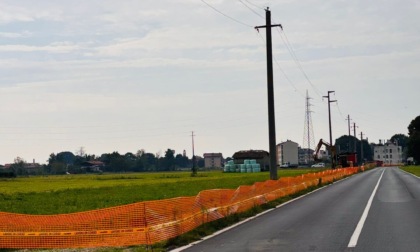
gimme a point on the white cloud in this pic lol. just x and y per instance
(24, 34)
(56, 47)
(13, 12)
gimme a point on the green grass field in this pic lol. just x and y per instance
(412, 169)
(75, 193)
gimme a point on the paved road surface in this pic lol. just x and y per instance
(378, 210)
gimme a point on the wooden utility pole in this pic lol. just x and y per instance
(361, 148)
(194, 169)
(270, 92)
(355, 138)
(329, 120)
(348, 119)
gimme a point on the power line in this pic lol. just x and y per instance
(256, 6)
(339, 110)
(296, 59)
(287, 78)
(283, 72)
(256, 13)
(231, 18)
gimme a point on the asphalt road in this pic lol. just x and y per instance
(378, 210)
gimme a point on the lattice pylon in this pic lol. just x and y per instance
(308, 133)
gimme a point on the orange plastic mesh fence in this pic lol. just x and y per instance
(148, 222)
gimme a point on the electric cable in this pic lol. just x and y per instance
(227, 16)
(256, 13)
(296, 59)
(283, 72)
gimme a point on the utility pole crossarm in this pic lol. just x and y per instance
(268, 22)
(264, 26)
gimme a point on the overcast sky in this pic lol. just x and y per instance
(128, 75)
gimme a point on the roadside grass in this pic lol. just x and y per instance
(76, 193)
(412, 169)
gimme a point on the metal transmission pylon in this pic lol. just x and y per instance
(308, 132)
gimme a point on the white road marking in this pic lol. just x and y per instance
(359, 227)
(256, 216)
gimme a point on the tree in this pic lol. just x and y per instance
(149, 161)
(401, 140)
(367, 151)
(181, 161)
(18, 167)
(140, 153)
(131, 161)
(116, 162)
(200, 162)
(169, 160)
(66, 157)
(58, 168)
(63, 162)
(413, 145)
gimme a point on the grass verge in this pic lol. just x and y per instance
(412, 169)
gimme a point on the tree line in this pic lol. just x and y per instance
(142, 161)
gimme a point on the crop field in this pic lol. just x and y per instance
(412, 169)
(76, 193)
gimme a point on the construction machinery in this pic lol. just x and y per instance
(329, 147)
(345, 159)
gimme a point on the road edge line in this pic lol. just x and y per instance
(256, 216)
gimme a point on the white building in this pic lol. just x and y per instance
(213, 160)
(389, 153)
(288, 153)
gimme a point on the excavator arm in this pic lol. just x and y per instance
(328, 146)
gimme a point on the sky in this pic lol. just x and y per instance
(129, 75)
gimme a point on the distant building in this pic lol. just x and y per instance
(262, 157)
(213, 160)
(27, 166)
(93, 166)
(305, 156)
(388, 153)
(288, 153)
(30, 168)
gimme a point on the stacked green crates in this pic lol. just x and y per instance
(249, 165)
(230, 166)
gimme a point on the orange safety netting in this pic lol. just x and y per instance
(148, 222)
